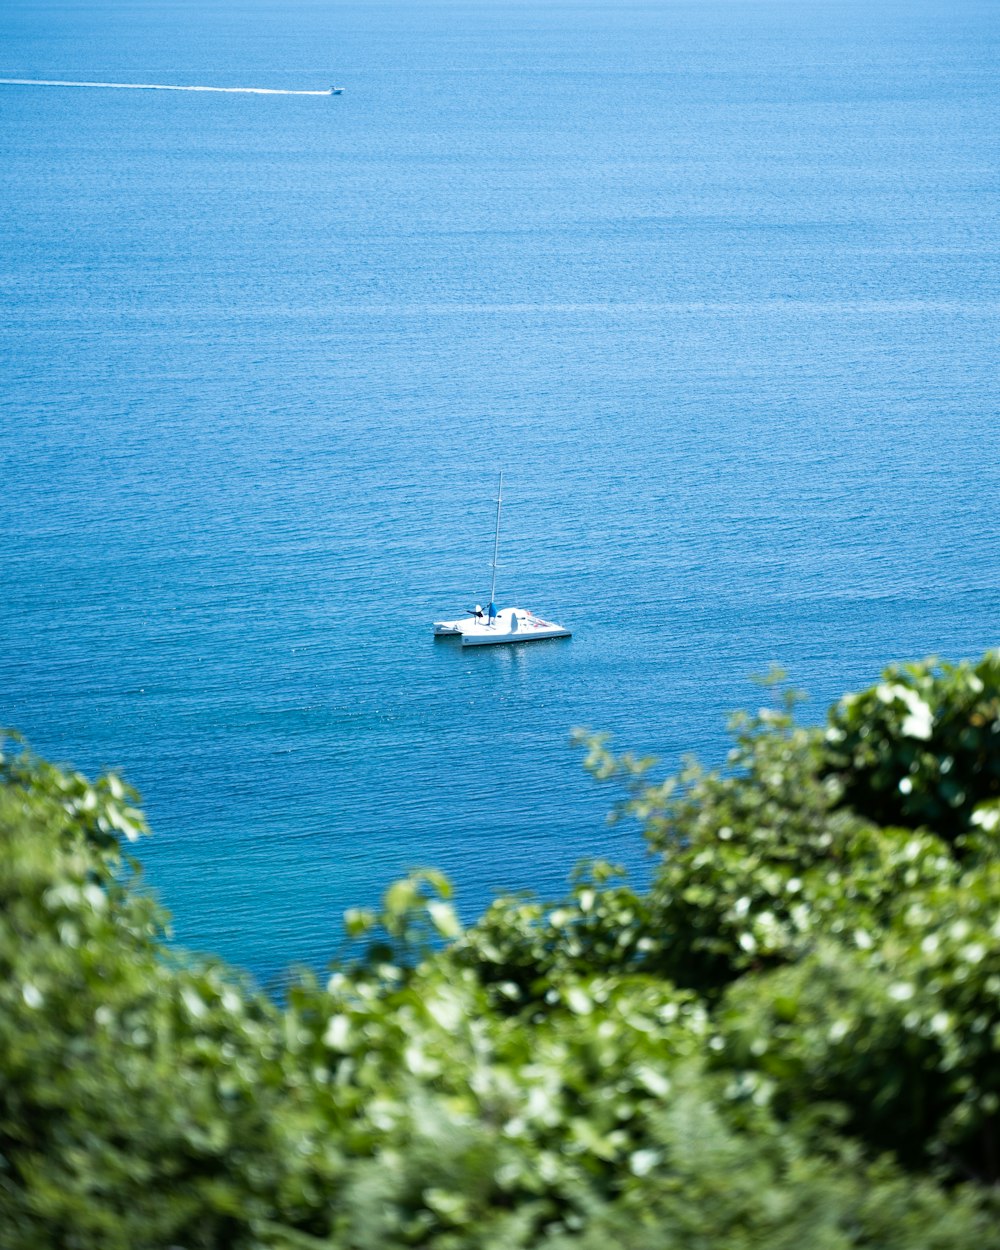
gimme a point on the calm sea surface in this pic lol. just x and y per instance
(715, 282)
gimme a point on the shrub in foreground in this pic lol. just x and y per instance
(788, 1038)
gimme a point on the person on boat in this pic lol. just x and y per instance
(477, 611)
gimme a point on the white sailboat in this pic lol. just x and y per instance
(488, 628)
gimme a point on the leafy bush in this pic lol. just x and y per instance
(902, 1031)
(922, 748)
(789, 1038)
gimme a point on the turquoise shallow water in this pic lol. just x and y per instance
(716, 284)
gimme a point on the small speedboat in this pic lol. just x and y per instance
(336, 91)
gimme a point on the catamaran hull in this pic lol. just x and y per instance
(452, 629)
(475, 640)
(512, 626)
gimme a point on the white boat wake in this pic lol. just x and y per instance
(159, 86)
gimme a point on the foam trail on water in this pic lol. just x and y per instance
(157, 86)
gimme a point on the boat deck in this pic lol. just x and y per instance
(511, 625)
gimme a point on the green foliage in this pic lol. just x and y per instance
(416, 914)
(902, 1028)
(127, 1081)
(789, 1038)
(922, 748)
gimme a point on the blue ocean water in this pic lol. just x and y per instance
(715, 282)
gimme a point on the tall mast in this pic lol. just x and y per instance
(496, 539)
